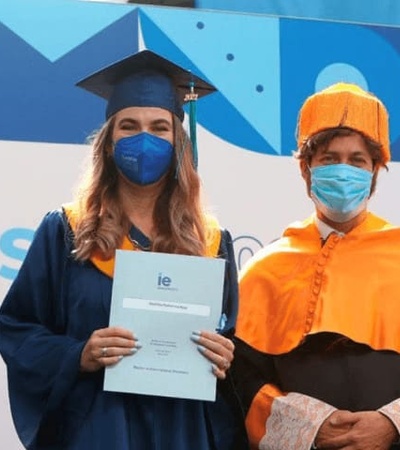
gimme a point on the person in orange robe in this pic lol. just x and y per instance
(317, 361)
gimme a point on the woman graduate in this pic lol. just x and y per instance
(142, 193)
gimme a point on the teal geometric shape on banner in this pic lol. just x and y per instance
(241, 58)
(55, 27)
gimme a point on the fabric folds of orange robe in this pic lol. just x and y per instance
(351, 286)
(107, 265)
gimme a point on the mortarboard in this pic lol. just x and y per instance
(147, 79)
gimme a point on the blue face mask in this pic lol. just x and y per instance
(340, 191)
(143, 158)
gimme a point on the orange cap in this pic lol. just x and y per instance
(345, 105)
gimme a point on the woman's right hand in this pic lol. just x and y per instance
(106, 347)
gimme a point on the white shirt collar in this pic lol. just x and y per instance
(324, 229)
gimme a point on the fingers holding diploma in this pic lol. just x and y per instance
(106, 347)
(217, 349)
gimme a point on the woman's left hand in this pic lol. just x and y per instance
(216, 348)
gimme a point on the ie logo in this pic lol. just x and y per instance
(163, 280)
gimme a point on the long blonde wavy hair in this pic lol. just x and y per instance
(179, 220)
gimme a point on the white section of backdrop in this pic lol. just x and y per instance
(35, 178)
(251, 194)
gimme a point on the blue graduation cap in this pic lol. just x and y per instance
(148, 79)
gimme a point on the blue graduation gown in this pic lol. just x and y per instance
(50, 311)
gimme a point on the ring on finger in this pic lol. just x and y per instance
(225, 364)
(104, 352)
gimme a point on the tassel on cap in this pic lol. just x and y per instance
(191, 98)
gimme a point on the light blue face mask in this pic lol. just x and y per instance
(340, 191)
(143, 158)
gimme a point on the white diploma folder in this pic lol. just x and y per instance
(162, 299)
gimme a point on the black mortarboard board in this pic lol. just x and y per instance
(145, 79)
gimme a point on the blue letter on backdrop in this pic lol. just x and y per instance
(10, 248)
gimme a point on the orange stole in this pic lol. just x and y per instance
(107, 265)
(351, 286)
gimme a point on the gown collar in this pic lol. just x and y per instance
(139, 239)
